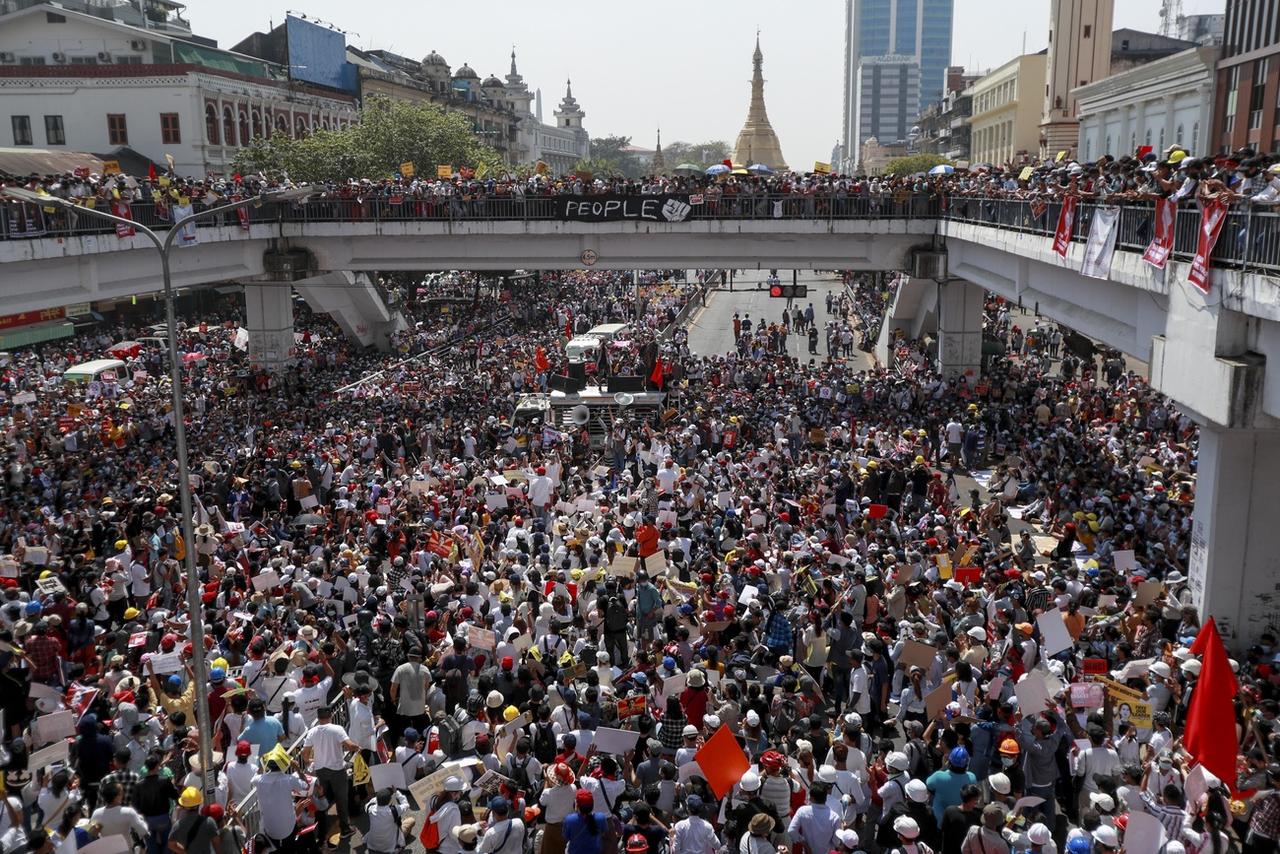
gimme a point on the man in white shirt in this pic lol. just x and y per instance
(389, 822)
(275, 800)
(324, 749)
(694, 835)
(505, 834)
(409, 690)
(315, 694)
(815, 824)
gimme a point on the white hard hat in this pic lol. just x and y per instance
(897, 760)
(1000, 784)
(1038, 834)
(454, 784)
(750, 782)
(1161, 669)
(905, 825)
(917, 791)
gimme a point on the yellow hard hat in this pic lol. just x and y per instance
(575, 573)
(872, 464)
(121, 545)
(919, 459)
(510, 713)
(221, 662)
(190, 797)
(46, 574)
(130, 613)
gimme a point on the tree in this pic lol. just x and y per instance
(389, 133)
(598, 167)
(609, 149)
(703, 154)
(913, 163)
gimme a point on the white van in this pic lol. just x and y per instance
(608, 331)
(88, 371)
(583, 348)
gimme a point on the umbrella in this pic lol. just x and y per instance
(760, 169)
(942, 169)
(125, 349)
(193, 358)
(689, 167)
(304, 519)
(718, 169)
(738, 170)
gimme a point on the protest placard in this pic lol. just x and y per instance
(617, 741)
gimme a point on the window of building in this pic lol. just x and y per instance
(54, 18)
(21, 130)
(117, 129)
(131, 59)
(1195, 136)
(54, 133)
(228, 126)
(257, 124)
(83, 60)
(1088, 30)
(282, 124)
(31, 60)
(244, 128)
(170, 129)
(1257, 89)
(1177, 137)
(211, 124)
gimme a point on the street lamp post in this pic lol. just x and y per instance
(163, 244)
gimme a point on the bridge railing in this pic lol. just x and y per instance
(1250, 238)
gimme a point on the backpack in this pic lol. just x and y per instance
(615, 615)
(449, 733)
(520, 774)
(544, 743)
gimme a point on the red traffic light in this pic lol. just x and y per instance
(775, 291)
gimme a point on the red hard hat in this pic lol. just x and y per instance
(637, 844)
(584, 798)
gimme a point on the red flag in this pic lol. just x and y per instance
(151, 172)
(656, 377)
(1211, 719)
(1212, 217)
(1162, 234)
(568, 326)
(1066, 226)
(121, 209)
(242, 214)
(727, 162)
(722, 761)
(540, 360)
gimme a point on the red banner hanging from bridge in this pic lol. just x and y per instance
(1212, 217)
(1161, 244)
(1066, 226)
(26, 318)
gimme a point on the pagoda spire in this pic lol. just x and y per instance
(659, 163)
(757, 142)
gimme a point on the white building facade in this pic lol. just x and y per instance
(70, 81)
(1157, 104)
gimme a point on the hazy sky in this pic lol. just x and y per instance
(681, 64)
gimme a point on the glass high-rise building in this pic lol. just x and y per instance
(919, 29)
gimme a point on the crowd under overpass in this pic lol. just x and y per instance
(1208, 352)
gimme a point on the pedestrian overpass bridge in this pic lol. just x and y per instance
(1209, 352)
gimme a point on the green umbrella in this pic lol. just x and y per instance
(688, 167)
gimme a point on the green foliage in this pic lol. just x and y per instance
(598, 167)
(389, 133)
(608, 152)
(913, 163)
(703, 153)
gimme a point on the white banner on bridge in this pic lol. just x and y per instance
(1102, 243)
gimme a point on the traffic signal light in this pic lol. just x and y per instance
(788, 291)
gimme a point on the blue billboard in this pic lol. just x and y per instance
(318, 55)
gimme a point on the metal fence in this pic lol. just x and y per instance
(1250, 239)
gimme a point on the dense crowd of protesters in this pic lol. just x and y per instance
(774, 613)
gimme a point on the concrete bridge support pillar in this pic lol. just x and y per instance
(269, 321)
(1234, 567)
(960, 328)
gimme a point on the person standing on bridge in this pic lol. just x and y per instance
(737, 327)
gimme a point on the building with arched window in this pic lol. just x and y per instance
(102, 84)
(1161, 103)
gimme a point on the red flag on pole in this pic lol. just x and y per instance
(151, 171)
(656, 377)
(1211, 714)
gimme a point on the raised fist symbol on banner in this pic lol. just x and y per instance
(675, 210)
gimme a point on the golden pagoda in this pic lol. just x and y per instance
(757, 143)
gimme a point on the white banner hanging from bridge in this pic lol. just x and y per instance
(1102, 243)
